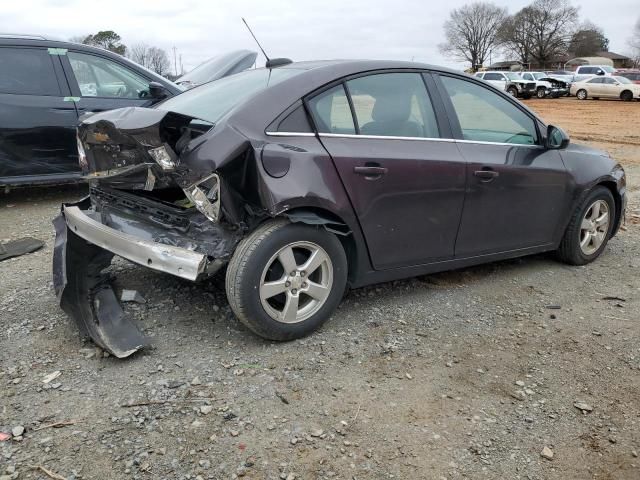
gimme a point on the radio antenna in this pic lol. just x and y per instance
(254, 37)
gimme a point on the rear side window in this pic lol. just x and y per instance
(393, 105)
(27, 71)
(331, 111)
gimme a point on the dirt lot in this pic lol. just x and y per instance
(466, 374)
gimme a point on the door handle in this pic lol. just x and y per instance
(486, 175)
(370, 171)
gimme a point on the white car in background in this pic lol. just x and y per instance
(606, 87)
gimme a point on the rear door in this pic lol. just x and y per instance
(99, 83)
(37, 117)
(402, 172)
(516, 189)
(610, 87)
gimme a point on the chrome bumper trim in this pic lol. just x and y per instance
(164, 258)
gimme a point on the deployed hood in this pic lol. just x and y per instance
(218, 67)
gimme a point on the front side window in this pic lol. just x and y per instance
(331, 111)
(609, 81)
(27, 71)
(100, 77)
(393, 105)
(486, 116)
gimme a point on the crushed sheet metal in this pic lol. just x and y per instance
(165, 258)
(205, 195)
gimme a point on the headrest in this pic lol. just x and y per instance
(392, 108)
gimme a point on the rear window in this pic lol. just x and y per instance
(27, 71)
(213, 100)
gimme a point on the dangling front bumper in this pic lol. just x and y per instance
(86, 242)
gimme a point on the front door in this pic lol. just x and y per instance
(406, 183)
(37, 117)
(516, 189)
(100, 84)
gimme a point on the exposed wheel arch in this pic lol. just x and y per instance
(616, 197)
(333, 223)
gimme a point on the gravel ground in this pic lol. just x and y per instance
(478, 373)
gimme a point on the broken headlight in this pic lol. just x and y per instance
(164, 156)
(205, 195)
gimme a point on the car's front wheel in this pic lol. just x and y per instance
(286, 279)
(513, 91)
(589, 229)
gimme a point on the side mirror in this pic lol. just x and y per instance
(556, 138)
(599, 72)
(157, 91)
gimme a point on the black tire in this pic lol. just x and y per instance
(581, 94)
(541, 92)
(569, 250)
(626, 96)
(513, 91)
(249, 261)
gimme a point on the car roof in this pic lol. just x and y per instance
(19, 40)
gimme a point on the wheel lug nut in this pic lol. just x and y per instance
(294, 291)
(287, 284)
(303, 273)
(304, 284)
(293, 274)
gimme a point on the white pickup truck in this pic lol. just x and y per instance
(510, 82)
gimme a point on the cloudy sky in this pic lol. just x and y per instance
(301, 30)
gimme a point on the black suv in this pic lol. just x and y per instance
(45, 86)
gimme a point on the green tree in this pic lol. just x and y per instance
(107, 39)
(588, 40)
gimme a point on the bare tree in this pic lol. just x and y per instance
(541, 31)
(139, 53)
(471, 32)
(153, 58)
(159, 61)
(515, 35)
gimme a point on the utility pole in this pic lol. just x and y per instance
(175, 63)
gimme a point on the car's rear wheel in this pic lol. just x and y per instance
(589, 229)
(513, 91)
(626, 96)
(286, 279)
(541, 92)
(581, 94)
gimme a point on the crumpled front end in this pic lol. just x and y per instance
(145, 205)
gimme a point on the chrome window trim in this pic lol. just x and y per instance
(290, 134)
(389, 137)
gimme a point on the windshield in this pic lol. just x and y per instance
(213, 100)
(607, 69)
(623, 80)
(513, 76)
(538, 75)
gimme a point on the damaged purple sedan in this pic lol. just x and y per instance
(309, 177)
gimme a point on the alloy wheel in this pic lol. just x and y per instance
(594, 227)
(296, 282)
